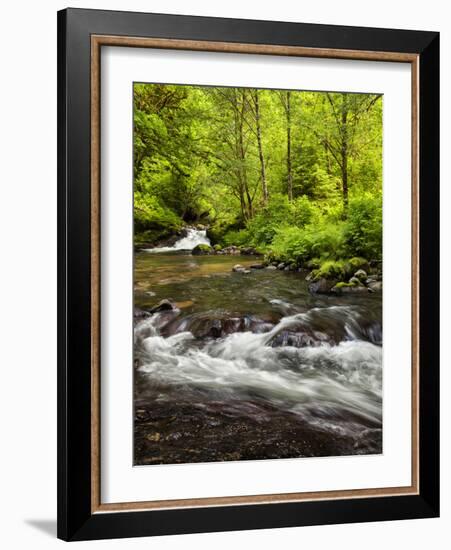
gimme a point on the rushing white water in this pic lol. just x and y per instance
(192, 239)
(323, 384)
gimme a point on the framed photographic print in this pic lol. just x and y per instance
(248, 274)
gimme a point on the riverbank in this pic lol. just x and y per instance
(327, 276)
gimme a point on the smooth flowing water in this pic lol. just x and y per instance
(251, 366)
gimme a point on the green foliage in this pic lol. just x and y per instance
(325, 241)
(364, 226)
(262, 169)
(149, 213)
(236, 237)
(278, 212)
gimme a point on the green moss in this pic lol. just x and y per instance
(357, 263)
(343, 285)
(330, 269)
(217, 247)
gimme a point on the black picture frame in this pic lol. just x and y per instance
(76, 521)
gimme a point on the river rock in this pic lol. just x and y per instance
(164, 305)
(140, 314)
(238, 268)
(375, 286)
(217, 325)
(354, 281)
(248, 251)
(230, 250)
(300, 339)
(321, 286)
(201, 250)
(257, 266)
(349, 289)
(281, 266)
(361, 275)
(271, 267)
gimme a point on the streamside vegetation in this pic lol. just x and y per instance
(293, 175)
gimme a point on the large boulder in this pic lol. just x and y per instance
(202, 250)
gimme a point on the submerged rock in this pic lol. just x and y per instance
(238, 268)
(164, 305)
(257, 266)
(349, 288)
(300, 337)
(140, 314)
(217, 325)
(271, 267)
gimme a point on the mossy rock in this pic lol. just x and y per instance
(315, 263)
(201, 249)
(330, 269)
(361, 275)
(348, 288)
(342, 284)
(217, 247)
(357, 263)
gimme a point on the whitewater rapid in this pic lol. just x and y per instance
(193, 238)
(336, 386)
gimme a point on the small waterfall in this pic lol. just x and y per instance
(191, 240)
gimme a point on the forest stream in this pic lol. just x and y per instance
(250, 365)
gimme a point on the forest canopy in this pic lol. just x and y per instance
(295, 174)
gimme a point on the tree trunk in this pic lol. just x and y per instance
(242, 156)
(260, 147)
(344, 150)
(289, 169)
